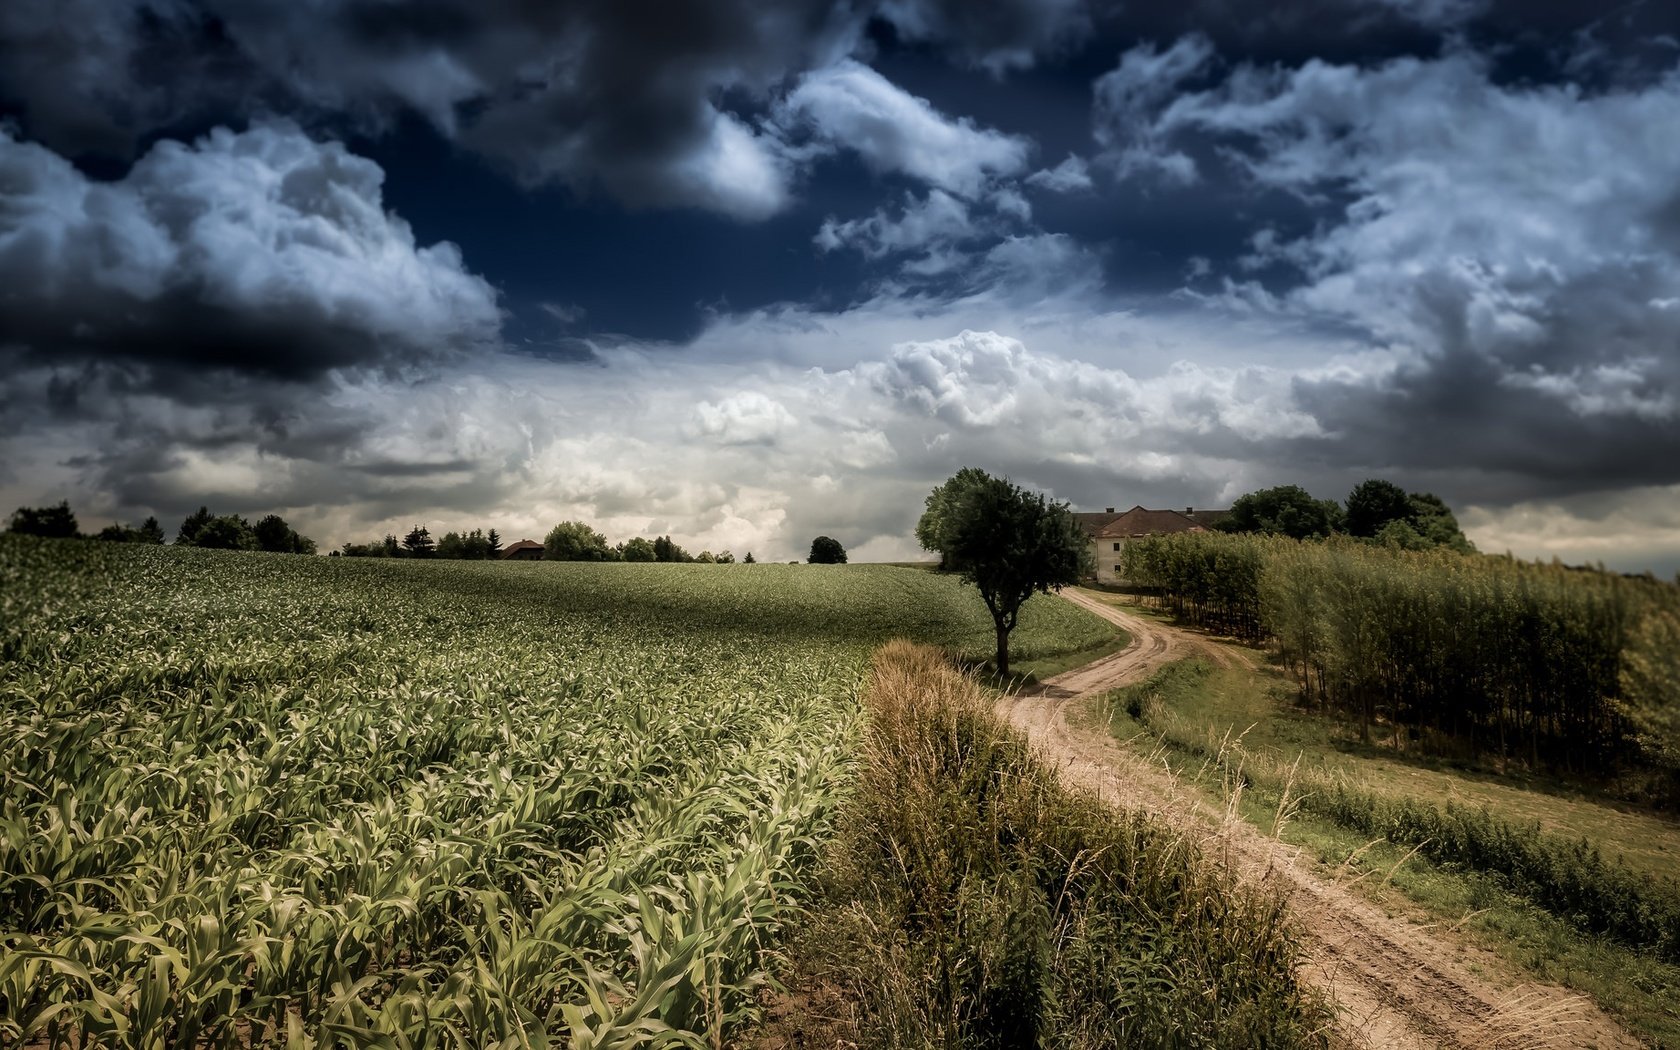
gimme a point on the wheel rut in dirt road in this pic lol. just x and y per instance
(1394, 983)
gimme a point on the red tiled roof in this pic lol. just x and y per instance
(1092, 521)
(1140, 521)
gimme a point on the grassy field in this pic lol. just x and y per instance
(1561, 881)
(307, 802)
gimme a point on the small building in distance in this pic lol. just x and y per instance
(1109, 530)
(524, 550)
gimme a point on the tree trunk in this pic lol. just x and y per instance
(1002, 647)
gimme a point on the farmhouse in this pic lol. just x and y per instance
(524, 550)
(1108, 531)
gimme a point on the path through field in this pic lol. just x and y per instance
(1396, 983)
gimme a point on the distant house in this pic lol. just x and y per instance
(524, 550)
(1109, 531)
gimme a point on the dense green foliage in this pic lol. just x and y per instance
(975, 901)
(942, 507)
(1008, 542)
(475, 545)
(1373, 504)
(57, 521)
(576, 541)
(148, 532)
(826, 550)
(1567, 877)
(310, 801)
(277, 537)
(231, 532)
(1286, 510)
(1482, 653)
(1377, 511)
(665, 550)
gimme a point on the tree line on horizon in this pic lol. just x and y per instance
(1376, 511)
(568, 541)
(577, 540)
(270, 533)
(476, 545)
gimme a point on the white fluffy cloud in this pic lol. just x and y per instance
(850, 105)
(1072, 175)
(1128, 99)
(934, 221)
(747, 418)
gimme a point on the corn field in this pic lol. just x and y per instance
(1478, 653)
(257, 800)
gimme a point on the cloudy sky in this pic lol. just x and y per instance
(747, 271)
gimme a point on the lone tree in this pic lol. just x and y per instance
(826, 550)
(1006, 541)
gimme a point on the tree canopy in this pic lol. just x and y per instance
(55, 521)
(942, 504)
(575, 541)
(1285, 510)
(148, 532)
(418, 543)
(274, 535)
(1373, 504)
(1008, 542)
(228, 532)
(826, 550)
(1377, 511)
(665, 550)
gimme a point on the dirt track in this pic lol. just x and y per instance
(1395, 983)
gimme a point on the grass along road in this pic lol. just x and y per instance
(1395, 982)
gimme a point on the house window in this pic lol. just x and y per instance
(1116, 544)
(1118, 569)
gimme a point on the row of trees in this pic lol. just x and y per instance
(476, 545)
(232, 532)
(579, 541)
(1484, 653)
(1376, 510)
(199, 529)
(567, 541)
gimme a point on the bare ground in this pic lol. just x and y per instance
(1395, 982)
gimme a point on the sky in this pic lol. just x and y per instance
(745, 272)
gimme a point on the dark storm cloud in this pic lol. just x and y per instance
(1006, 34)
(264, 252)
(653, 102)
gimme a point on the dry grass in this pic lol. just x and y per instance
(976, 901)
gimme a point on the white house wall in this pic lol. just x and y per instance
(1108, 553)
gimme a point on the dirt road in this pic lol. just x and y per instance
(1395, 983)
